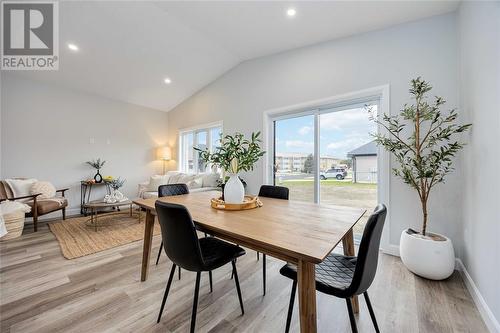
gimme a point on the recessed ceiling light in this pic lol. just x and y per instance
(291, 12)
(72, 47)
(167, 80)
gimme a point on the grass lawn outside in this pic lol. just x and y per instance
(336, 192)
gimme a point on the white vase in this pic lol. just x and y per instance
(234, 192)
(426, 257)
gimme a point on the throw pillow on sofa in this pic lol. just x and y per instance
(156, 181)
(196, 182)
(210, 179)
(46, 190)
(174, 177)
(186, 178)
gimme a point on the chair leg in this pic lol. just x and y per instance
(210, 277)
(64, 213)
(179, 272)
(264, 273)
(159, 254)
(370, 309)
(354, 328)
(169, 283)
(258, 257)
(35, 218)
(237, 282)
(232, 272)
(195, 302)
(290, 306)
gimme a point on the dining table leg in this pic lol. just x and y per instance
(348, 245)
(306, 278)
(148, 240)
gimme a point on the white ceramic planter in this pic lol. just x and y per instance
(431, 259)
(234, 191)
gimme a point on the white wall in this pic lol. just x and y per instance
(391, 56)
(46, 131)
(479, 24)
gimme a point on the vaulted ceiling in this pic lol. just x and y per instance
(127, 49)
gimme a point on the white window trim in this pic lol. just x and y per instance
(313, 107)
(202, 126)
(194, 129)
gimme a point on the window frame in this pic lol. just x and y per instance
(381, 93)
(195, 130)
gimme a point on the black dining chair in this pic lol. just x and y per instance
(276, 192)
(185, 250)
(344, 276)
(166, 191)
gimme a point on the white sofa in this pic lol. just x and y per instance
(195, 182)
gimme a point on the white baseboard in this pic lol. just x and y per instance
(391, 249)
(488, 316)
(72, 211)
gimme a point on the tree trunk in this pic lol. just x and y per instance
(424, 212)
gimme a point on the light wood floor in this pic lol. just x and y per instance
(43, 292)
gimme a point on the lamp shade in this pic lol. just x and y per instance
(164, 153)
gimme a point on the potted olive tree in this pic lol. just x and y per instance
(421, 139)
(234, 155)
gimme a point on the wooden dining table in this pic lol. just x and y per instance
(298, 232)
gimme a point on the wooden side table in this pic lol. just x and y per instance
(85, 192)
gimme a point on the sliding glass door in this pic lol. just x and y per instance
(327, 155)
(348, 159)
(294, 156)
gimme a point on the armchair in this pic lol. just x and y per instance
(38, 206)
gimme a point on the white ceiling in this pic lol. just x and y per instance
(127, 48)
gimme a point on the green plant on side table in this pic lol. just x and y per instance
(234, 155)
(421, 139)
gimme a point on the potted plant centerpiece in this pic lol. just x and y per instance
(421, 140)
(234, 155)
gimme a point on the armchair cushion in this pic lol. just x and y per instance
(45, 206)
(46, 190)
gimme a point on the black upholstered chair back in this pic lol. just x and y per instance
(172, 189)
(276, 192)
(179, 236)
(366, 265)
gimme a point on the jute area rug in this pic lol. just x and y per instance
(77, 236)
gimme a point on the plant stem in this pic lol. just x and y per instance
(424, 212)
(423, 187)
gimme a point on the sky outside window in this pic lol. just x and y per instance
(340, 132)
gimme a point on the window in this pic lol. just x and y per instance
(334, 156)
(201, 137)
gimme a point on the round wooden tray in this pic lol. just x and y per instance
(250, 202)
